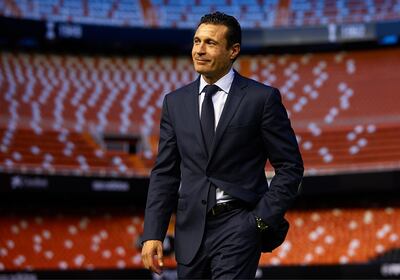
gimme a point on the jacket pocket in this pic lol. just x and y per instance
(182, 204)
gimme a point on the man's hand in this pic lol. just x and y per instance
(150, 249)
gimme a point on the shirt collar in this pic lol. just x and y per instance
(223, 83)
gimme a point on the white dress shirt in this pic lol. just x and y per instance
(219, 99)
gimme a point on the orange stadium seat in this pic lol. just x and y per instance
(104, 239)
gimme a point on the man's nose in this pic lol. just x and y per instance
(201, 49)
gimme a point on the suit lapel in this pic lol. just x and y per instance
(233, 100)
(192, 102)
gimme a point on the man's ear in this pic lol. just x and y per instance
(235, 49)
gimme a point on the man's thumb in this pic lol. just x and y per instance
(160, 255)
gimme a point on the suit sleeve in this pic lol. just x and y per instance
(164, 181)
(284, 155)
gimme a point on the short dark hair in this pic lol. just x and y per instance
(234, 34)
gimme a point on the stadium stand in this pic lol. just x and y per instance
(184, 14)
(58, 107)
(103, 239)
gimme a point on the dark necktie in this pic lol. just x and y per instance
(208, 129)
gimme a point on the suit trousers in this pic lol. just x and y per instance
(230, 248)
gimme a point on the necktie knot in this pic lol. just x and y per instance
(210, 90)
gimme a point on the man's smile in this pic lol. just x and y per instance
(202, 61)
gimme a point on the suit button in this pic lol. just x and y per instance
(204, 202)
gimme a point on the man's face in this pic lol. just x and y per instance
(210, 54)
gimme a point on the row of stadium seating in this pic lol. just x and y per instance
(185, 14)
(66, 152)
(343, 106)
(71, 152)
(106, 239)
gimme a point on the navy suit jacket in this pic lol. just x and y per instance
(253, 128)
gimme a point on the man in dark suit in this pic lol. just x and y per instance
(216, 135)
